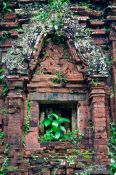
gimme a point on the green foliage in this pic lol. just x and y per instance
(55, 127)
(60, 78)
(53, 14)
(27, 125)
(112, 92)
(71, 159)
(96, 82)
(2, 135)
(4, 111)
(41, 15)
(4, 85)
(5, 89)
(5, 162)
(88, 171)
(74, 136)
(112, 148)
(1, 74)
(5, 35)
(34, 157)
(5, 6)
(58, 4)
(6, 151)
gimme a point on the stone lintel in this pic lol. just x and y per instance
(56, 97)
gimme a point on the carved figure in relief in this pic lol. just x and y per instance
(56, 59)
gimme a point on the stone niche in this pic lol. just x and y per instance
(57, 86)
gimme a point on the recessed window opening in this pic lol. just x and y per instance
(65, 110)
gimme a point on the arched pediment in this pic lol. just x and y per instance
(56, 63)
(56, 54)
(23, 56)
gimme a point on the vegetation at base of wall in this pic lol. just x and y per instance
(55, 130)
(112, 148)
(88, 170)
(27, 124)
(5, 167)
(75, 137)
(6, 160)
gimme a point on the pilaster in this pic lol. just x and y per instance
(97, 96)
(15, 115)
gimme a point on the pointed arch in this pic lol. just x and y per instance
(40, 43)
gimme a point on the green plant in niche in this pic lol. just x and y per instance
(27, 124)
(60, 78)
(55, 127)
(74, 136)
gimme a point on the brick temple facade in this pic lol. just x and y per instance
(58, 76)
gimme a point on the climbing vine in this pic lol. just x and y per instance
(27, 124)
(4, 88)
(112, 148)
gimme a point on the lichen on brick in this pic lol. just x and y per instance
(92, 56)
